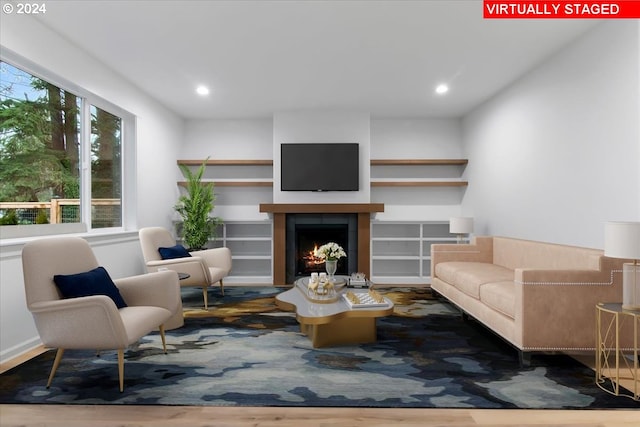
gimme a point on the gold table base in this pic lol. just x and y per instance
(341, 331)
(617, 339)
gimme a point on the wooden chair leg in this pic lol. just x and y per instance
(121, 368)
(221, 287)
(56, 363)
(205, 296)
(164, 340)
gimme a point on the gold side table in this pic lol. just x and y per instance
(617, 340)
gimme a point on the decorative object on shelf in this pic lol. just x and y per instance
(622, 240)
(331, 252)
(461, 226)
(195, 207)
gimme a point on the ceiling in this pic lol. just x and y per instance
(263, 57)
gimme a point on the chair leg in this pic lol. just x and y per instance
(164, 340)
(205, 296)
(221, 287)
(121, 368)
(56, 363)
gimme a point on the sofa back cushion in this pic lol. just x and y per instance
(516, 253)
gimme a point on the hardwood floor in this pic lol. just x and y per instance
(178, 416)
(199, 416)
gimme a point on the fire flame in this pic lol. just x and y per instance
(312, 257)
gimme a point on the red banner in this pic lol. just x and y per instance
(543, 9)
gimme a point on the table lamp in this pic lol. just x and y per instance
(461, 225)
(622, 240)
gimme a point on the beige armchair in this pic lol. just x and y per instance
(205, 268)
(93, 322)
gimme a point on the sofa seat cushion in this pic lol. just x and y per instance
(500, 296)
(469, 276)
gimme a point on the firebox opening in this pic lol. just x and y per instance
(305, 231)
(310, 237)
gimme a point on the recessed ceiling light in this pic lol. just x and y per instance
(202, 90)
(441, 89)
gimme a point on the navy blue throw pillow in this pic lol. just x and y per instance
(94, 282)
(177, 251)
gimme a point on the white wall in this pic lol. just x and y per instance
(233, 139)
(417, 138)
(557, 154)
(319, 126)
(159, 134)
(228, 139)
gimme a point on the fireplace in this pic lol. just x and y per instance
(280, 212)
(306, 232)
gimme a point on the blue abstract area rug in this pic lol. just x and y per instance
(244, 351)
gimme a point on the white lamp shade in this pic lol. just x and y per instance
(461, 225)
(622, 239)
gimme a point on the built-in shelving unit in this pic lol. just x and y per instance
(251, 244)
(237, 181)
(223, 183)
(384, 172)
(401, 251)
(417, 172)
(381, 183)
(235, 173)
(225, 162)
(417, 162)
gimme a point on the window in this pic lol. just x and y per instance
(106, 169)
(47, 136)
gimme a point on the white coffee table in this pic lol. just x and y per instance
(331, 321)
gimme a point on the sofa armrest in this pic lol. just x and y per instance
(556, 308)
(480, 250)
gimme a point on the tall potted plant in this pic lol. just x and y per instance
(195, 207)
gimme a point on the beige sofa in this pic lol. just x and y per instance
(537, 296)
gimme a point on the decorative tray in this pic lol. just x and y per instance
(364, 299)
(321, 294)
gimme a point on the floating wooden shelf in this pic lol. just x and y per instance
(263, 162)
(321, 207)
(374, 162)
(219, 183)
(418, 162)
(419, 183)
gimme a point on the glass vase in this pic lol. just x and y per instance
(331, 265)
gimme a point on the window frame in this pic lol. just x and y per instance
(128, 158)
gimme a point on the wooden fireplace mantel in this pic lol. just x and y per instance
(280, 211)
(321, 207)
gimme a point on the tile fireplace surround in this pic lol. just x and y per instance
(280, 211)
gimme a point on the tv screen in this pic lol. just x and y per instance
(320, 167)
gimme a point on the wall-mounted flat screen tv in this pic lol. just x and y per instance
(320, 167)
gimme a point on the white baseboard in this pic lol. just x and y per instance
(18, 350)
